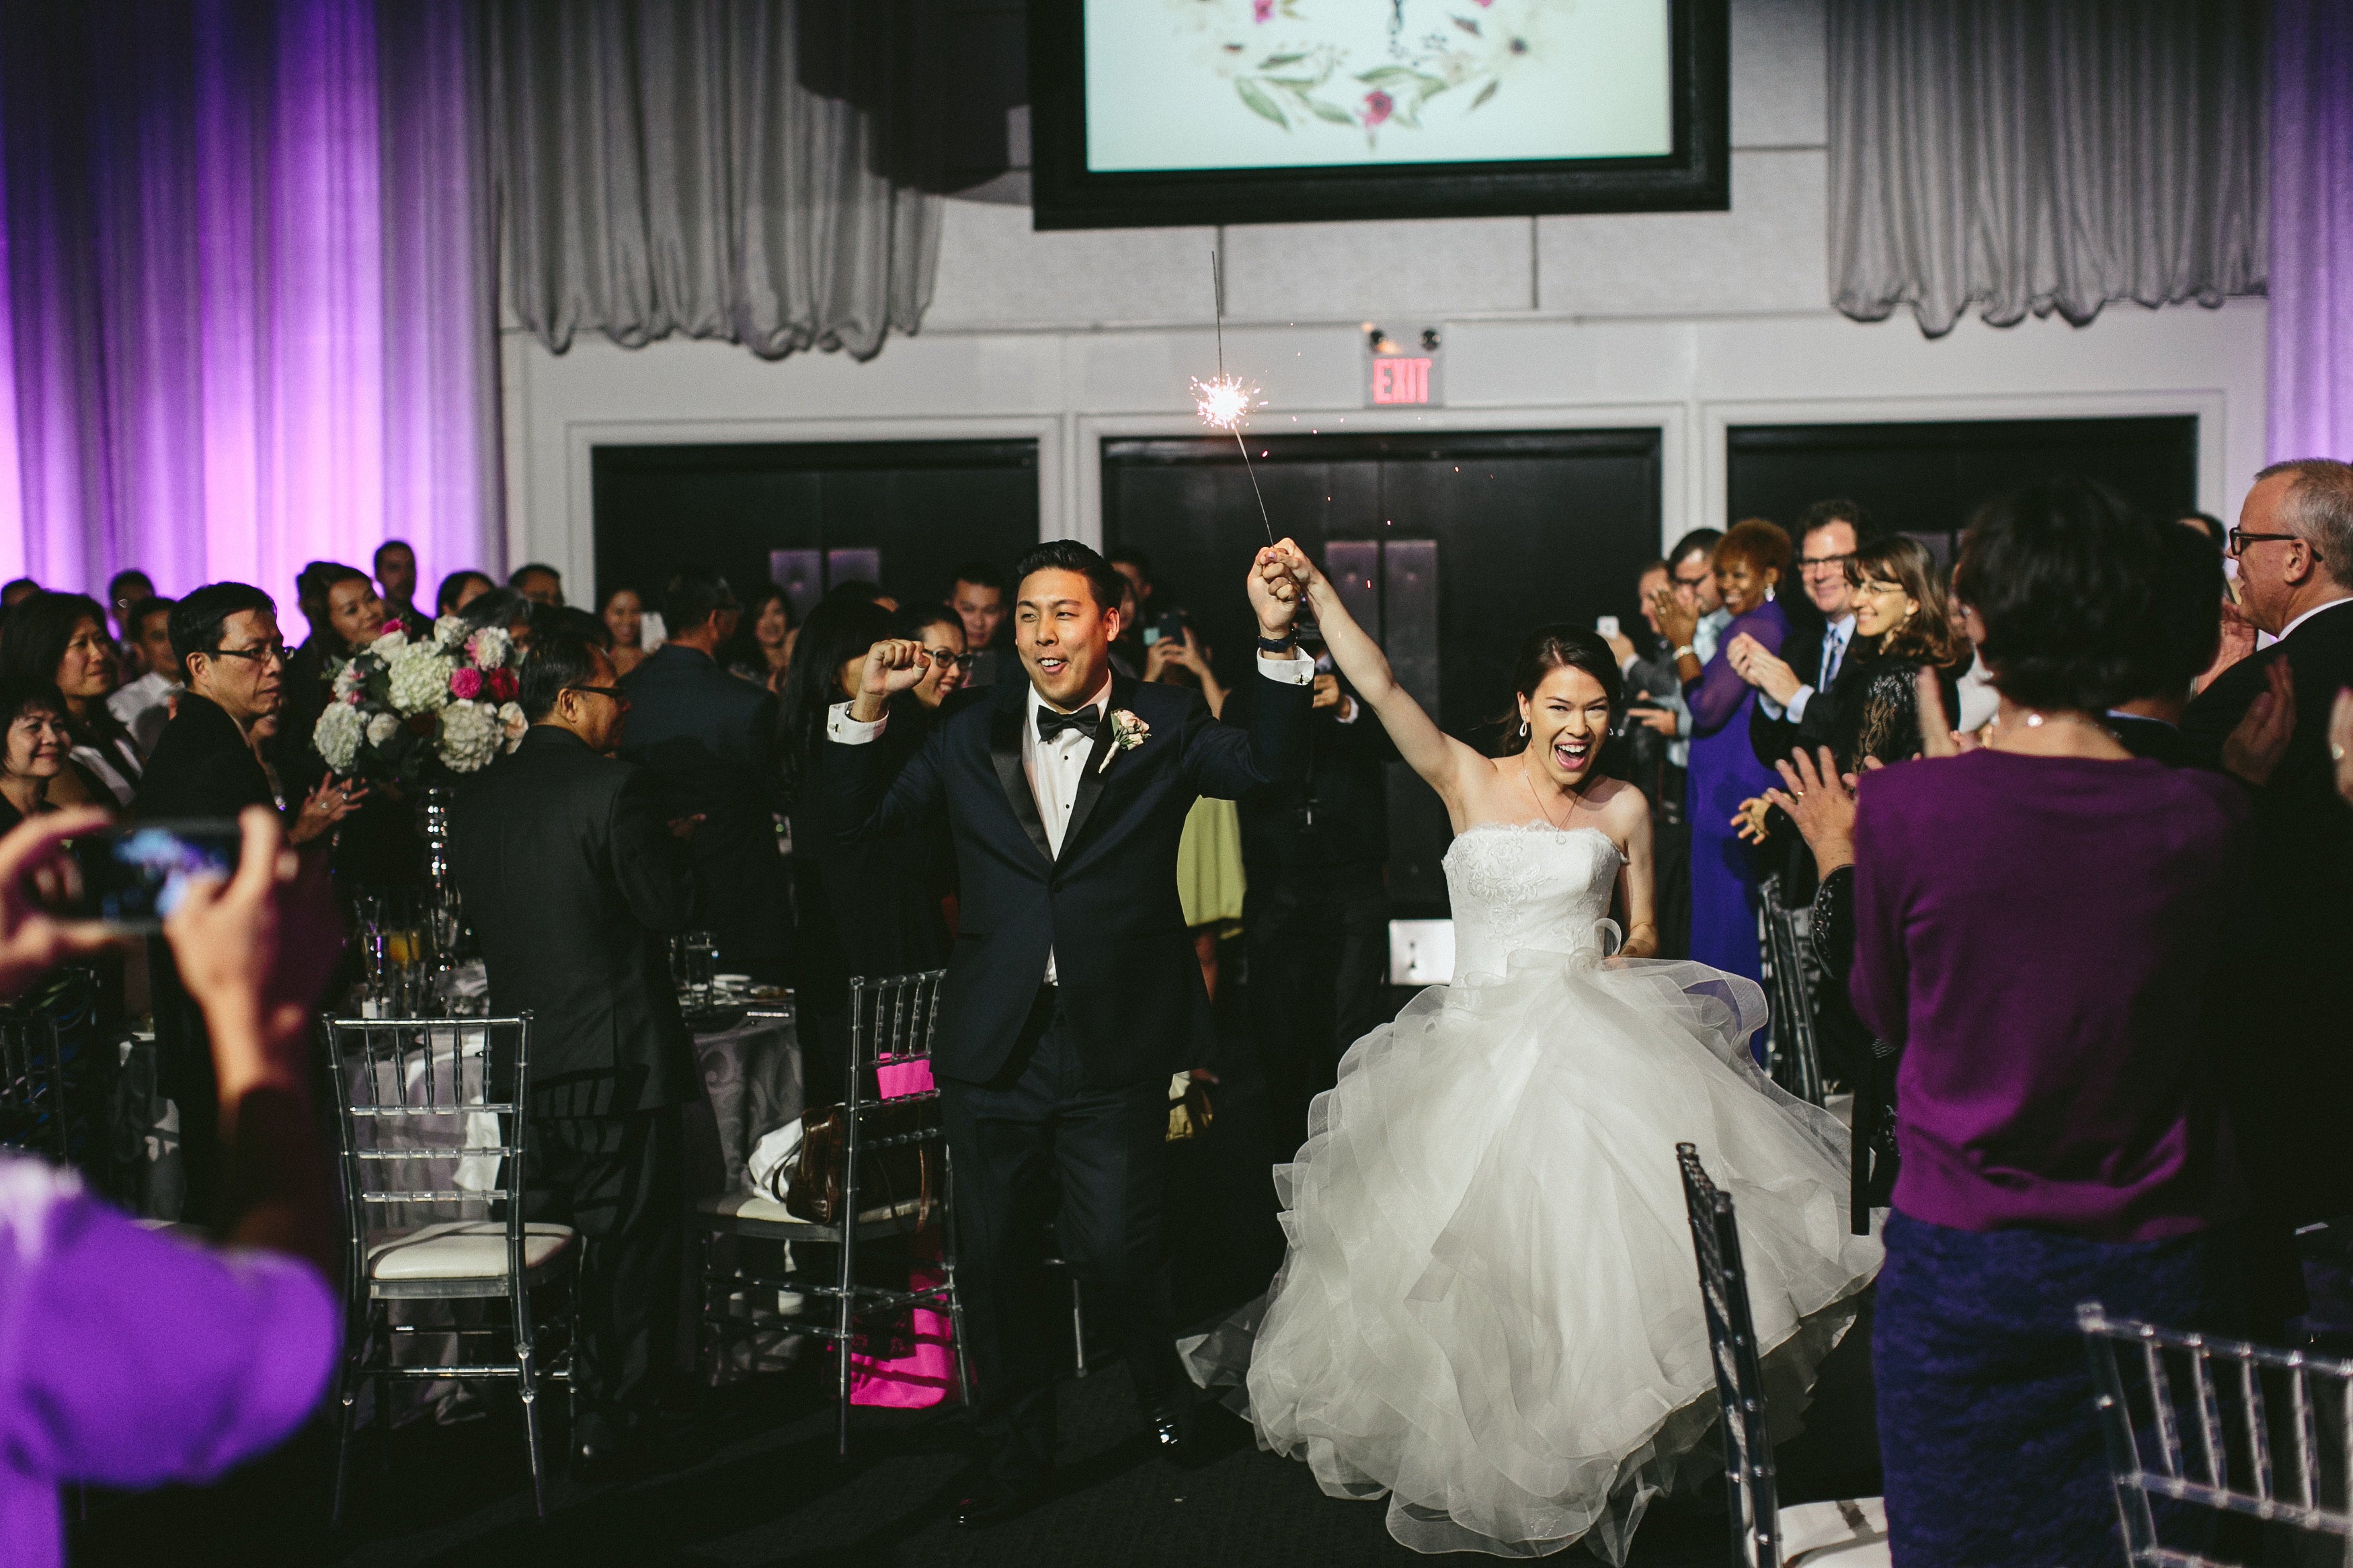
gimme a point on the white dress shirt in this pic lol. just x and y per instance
(1055, 768)
(1834, 640)
(143, 708)
(2288, 630)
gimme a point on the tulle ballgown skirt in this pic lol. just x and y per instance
(1490, 1311)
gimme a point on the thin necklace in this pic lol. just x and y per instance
(1537, 801)
(2035, 720)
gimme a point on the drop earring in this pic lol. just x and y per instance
(1523, 728)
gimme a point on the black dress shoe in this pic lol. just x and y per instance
(992, 1501)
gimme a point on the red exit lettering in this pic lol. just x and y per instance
(1400, 381)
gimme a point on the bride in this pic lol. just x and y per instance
(1489, 1311)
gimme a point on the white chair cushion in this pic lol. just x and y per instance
(460, 1249)
(768, 1211)
(1850, 1533)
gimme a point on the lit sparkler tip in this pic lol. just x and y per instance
(1224, 402)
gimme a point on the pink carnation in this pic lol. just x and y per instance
(465, 685)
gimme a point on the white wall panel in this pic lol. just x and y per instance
(1768, 253)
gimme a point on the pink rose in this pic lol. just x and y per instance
(1377, 105)
(502, 685)
(465, 685)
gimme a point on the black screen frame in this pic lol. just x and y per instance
(1696, 177)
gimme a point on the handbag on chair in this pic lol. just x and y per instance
(887, 1177)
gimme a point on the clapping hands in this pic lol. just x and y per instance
(1821, 803)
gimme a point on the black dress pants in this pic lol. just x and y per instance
(1318, 939)
(1036, 1144)
(620, 1182)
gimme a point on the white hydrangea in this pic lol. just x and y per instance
(470, 736)
(489, 647)
(382, 729)
(420, 679)
(388, 645)
(337, 735)
(511, 723)
(450, 631)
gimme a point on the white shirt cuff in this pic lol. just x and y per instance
(1797, 700)
(839, 726)
(1296, 671)
(1350, 708)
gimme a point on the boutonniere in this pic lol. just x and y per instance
(1127, 732)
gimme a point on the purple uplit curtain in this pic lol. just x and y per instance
(2311, 230)
(248, 289)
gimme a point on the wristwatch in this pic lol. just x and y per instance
(1284, 645)
(1686, 649)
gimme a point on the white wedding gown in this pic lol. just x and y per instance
(1490, 1311)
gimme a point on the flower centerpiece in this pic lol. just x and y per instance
(421, 712)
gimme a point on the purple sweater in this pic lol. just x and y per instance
(129, 1359)
(2038, 933)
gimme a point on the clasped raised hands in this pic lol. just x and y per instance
(1278, 579)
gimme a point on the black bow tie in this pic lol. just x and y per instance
(1086, 720)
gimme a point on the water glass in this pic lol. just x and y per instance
(701, 963)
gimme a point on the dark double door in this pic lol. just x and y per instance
(810, 514)
(1455, 547)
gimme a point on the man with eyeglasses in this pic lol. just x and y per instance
(2285, 1050)
(225, 637)
(1789, 690)
(573, 877)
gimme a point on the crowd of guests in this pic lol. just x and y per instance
(2075, 940)
(2074, 847)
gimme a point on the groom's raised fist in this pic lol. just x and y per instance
(893, 665)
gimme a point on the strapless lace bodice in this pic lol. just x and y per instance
(1533, 888)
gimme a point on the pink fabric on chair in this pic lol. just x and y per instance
(924, 1375)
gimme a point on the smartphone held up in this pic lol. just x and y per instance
(134, 874)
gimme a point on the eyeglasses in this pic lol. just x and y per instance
(1812, 563)
(961, 660)
(614, 692)
(2241, 539)
(263, 655)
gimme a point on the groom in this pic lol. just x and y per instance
(1074, 992)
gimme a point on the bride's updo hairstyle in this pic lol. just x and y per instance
(1548, 648)
(2065, 576)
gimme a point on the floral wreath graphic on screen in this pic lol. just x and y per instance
(1450, 52)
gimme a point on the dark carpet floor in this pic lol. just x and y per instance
(748, 1475)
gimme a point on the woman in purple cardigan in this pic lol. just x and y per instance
(2034, 930)
(1751, 559)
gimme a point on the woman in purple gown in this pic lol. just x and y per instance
(1752, 558)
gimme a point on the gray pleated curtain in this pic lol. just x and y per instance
(745, 170)
(2040, 155)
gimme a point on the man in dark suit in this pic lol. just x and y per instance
(1074, 992)
(710, 737)
(224, 636)
(1797, 697)
(572, 876)
(2289, 1057)
(1315, 916)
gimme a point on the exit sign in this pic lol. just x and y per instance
(1402, 371)
(1401, 380)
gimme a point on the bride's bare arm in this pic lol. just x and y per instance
(1628, 820)
(1444, 763)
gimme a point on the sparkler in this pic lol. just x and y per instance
(1224, 402)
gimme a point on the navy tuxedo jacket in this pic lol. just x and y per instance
(1106, 906)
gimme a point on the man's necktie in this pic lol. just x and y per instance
(1086, 720)
(1832, 645)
